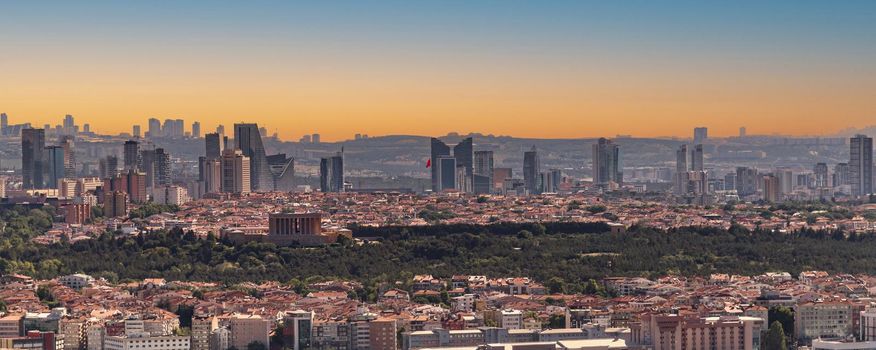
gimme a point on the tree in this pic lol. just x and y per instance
(556, 285)
(785, 316)
(775, 337)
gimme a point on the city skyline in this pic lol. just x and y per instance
(582, 69)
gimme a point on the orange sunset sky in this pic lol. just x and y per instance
(560, 70)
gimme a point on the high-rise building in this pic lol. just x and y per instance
(696, 158)
(500, 175)
(841, 174)
(861, 165)
(69, 156)
(315, 138)
(135, 131)
(214, 145)
(606, 162)
(249, 141)
(483, 172)
(742, 132)
(771, 188)
(730, 182)
(154, 128)
(69, 125)
(196, 130)
(439, 149)
(464, 154)
(86, 128)
(162, 167)
(235, 172)
(331, 173)
(551, 180)
(148, 166)
(213, 175)
(786, 180)
(680, 170)
(202, 329)
(4, 123)
(447, 176)
(132, 154)
(532, 171)
(115, 204)
(54, 165)
(821, 176)
(746, 181)
(109, 166)
(33, 143)
(701, 134)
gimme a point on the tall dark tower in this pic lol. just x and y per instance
(439, 149)
(531, 171)
(248, 139)
(33, 144)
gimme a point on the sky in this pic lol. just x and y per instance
(548, 69)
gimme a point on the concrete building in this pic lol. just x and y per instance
(674, 332)
(861, 165)
(144, 341)
(606, 163)
(33, 144)
(823, 320)
(76, 281)
(202, 329)
(382, 334)
(246, 329)
(236, 172)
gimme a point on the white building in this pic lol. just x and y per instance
(819, 344)
(145, 341)
(172, 195)
(463, 303)
(76, 281)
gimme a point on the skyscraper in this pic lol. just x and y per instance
(447, 176)
(213, 175)
(331, 173)
(132, 155)
(196, 130)
(841, 174)
(821, 177)
(249, 141)
(69, 125)
(4, 123)
(746, 181)
(696, 158)
(463, 152)
(861, 165)
(214, 145)
(464, 155)
(154, 128)
(33, 143)
(69, 156)
(681, 170)
(162, 167)
(771, 188)
(54, 165)
(235, 172)
(147, 165)
(606, 162)
(135, 131)
(483, 172)
(438, 149)
(701, 134)
(532, 171)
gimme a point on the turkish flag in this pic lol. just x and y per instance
(428, 163)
